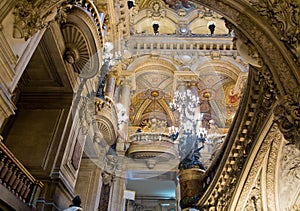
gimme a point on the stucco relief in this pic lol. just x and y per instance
(250, 185)
(254, 201)
(289, 176)
(288, 116)
(28, 19)
(272, 169)
(285, 19)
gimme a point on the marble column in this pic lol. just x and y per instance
(194, 90)
(117, 194)
(105, 191)
(124, 97)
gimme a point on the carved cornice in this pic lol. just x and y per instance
(222, 177)
(284, 17)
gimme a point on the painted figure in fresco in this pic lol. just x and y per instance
(233, 96)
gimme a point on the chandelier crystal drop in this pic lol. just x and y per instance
(193, 135)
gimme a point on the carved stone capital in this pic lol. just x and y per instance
(28, 19)
(287, 115)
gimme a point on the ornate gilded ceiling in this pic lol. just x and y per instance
(219, 79)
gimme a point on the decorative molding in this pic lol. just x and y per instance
(270, 49)
(254, 201)
(288, 117)
(77, 52)
(256, 168)
(289, 176)
(272, 168)
(263, 99)
(28, 19)
(295, 208)
(284, 17)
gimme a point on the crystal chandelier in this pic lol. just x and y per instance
(193, 135)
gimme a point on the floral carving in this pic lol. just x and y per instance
(255, 198)
(285, 19)
(28, 19)
(289, 174)
(288, 117)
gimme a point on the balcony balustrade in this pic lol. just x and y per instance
(152, 145)
(166, 44)
(15, 177)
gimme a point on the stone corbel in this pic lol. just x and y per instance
(287, 115)
(29, 20)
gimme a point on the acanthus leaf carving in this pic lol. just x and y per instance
(288, 117)
(28, 19)
(285, 16)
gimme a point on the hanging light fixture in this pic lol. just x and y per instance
(186, 103)
(155, 26)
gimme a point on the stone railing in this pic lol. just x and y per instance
(167, 44)
(107, 119)
(15, 177)
(151, 145)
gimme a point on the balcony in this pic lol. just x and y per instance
(166, 44)
(151, 145)
(106, 117)
(15, 177)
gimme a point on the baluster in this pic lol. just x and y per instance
(13, 177)
(9, 173)
(20, 185)
(2, 159)
(24, 188)
(4, 170)
(17, 181)
(28, 187)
